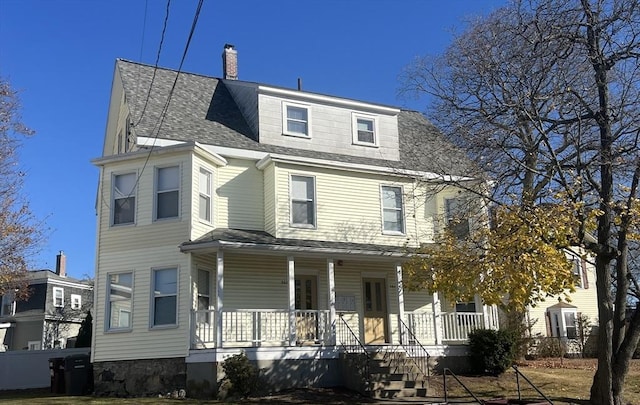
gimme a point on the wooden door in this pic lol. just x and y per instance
(306, 299)
(375, 310)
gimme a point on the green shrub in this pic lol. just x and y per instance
(491, 351)
(242, 375)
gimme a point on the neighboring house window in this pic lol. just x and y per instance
(296, 120)
(204, 207)
(204, 296)
(124, 198)
(165, 297)
(76, 301)
(466, 306)
(58, 297)
(457, 221)
(34, 345)
(119, 294)
(563, 322)
(8, 304)
(303, 208)
(392, 209)
(167, 192)
(577, 271)
(364, 130)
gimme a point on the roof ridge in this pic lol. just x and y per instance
(167, 69)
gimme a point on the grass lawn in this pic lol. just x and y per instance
(566, 383)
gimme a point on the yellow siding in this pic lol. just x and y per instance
(142, 342)
(239, 196)
(585, 299)
(418, 301)
(348, 207)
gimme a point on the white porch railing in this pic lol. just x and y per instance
(271, 326)
(258, 326)
(457, 325)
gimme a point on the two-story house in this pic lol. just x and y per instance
(236, 216)
(51, 316)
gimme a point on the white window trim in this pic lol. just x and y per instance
(315, 203)
(285, 118)
(152, 305)
(61, 290)
(354, 129)
(9, 295)
(402, 209)
(107, 309)
(113, 198)
(36, 343)
(210, 195)
(563, 324)
(75, 297)
(577, 261)
(155, 192)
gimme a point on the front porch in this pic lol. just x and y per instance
(274, 327)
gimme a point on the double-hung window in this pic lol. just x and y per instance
(296, 119)
(204, 207)
(457, 219)
(204, 296)
(76, 301)
(119, 299)
(124, 198)
(364, 130)
(577, 271)
(167, 192)
(165, 297)
(58, 297)
(392, 209)
(303, 209)
(8, 304)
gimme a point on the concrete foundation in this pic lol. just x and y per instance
(139, 378)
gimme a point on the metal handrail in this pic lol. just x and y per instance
(518, 374)
(416, 341)
(444, 379)
(367, 373)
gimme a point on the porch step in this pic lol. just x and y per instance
(393, 375)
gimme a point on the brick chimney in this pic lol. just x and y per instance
(61, 264)
(229, 63)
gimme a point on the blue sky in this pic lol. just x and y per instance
(60, 55)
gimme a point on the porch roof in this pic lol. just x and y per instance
(262, 241)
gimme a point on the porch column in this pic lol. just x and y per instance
(292, 299)
(331, 300)
(219, 295)
(400, 288)
(485, 316)
(437, 318)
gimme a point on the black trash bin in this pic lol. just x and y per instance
(78, 374)
(56, 370)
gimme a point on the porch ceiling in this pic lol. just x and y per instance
(225, 238)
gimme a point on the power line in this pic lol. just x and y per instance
(155, 68)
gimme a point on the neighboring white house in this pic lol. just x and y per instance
(237, 215)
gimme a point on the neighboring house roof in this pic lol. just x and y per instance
(203, 110)
(562, 305)
(224, 237)
(45, 275)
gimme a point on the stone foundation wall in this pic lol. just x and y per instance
(139, 378)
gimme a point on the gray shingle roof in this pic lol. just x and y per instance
(202, 110)
(264, 239)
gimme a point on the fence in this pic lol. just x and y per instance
(22, 369)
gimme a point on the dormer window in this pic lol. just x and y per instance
(364, 130)
(296, 118)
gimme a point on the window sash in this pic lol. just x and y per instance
(392, 209)
(119, 296)
(58, 297)
(303, 200)
(204, 205)
(297, 120)
(124, 198)
(165, 297)
(168, 192)
(366, 130)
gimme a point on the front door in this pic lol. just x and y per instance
(375, 310)
(306, 300)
